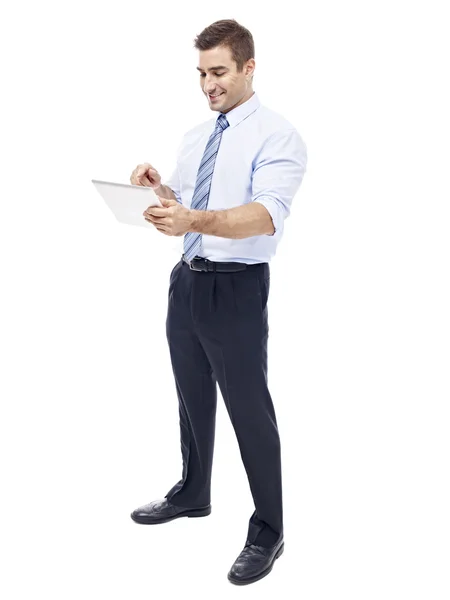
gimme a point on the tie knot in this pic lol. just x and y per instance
(222, 121)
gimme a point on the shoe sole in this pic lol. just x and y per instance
(261, 575)
(200, 512)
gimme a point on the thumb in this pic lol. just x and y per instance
(166, 201)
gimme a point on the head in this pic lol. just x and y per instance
(226, 64)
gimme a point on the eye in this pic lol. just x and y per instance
(218, 74)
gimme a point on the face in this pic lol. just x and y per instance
(230, 87)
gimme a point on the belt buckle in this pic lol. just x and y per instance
(191, 266)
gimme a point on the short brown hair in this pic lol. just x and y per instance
(231, 34)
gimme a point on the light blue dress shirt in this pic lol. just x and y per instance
(261, 158)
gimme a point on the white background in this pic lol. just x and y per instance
(358, 306)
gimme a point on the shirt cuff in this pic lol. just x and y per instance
(276, 211)
(177, 196)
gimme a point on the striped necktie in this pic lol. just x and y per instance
(192, 239)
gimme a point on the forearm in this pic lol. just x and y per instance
(237, 223)
(165, 192)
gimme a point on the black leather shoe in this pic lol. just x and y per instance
(161, 511)
(254, 562)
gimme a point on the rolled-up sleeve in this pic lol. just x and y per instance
(277, 174)
(174, 180)
(174, 183)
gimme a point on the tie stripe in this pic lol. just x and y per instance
(192, 240)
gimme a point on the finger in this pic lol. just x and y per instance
(158, 225)
(143, 169)
(135, 176)
(145, 181)
(156, 212)
(154, 219)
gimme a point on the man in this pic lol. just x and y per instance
(235, 179)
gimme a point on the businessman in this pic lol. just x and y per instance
(231, 190)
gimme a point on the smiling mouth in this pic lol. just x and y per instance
(217, 96)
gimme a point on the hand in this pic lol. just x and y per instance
(146, 175)
(174, 219)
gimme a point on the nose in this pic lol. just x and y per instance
(209, 86)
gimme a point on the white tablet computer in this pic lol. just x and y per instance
(127, 202)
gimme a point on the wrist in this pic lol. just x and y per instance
(193, 220)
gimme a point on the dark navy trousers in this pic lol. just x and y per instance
(217, 330)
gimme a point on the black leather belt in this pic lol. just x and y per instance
(199, 263)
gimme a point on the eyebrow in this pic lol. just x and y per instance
(214, 68)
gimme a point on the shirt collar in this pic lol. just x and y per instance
(241, 112)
